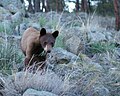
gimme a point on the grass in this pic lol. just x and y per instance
(88, 75)
(6, 27)
(9, 57)
(42, 21)
(59, 42)
(101, 47)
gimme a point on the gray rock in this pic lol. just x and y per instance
(17, 18)
(4, 14)
(74, 44)
(12, 8)
(96, 36)
(32, 92)
(61, 56)
(16, 3)
(3, 10)
(101, 91)
(35, 25)
(89, 65)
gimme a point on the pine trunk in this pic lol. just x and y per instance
(117, 14)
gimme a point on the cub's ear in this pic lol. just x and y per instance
(55, 34)
(42, 32)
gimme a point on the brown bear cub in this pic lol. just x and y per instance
(34, 42)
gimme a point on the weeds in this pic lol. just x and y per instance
(42, 21)
(59, 42)
(101, 47)
(9, 56)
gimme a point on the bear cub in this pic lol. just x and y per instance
(34, 42)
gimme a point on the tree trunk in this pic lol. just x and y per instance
(57, 6)
(47, 6)
(89, 6)
(77, 5)
(84, 5)
(117, 14)
(37, 5)
(43, 5)
(30, 7)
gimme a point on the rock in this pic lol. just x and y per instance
(32, 92)
(3, 11)
(90, 65)
(16, 4)
(17, 18)
(4, 14)
(12, 8)
(101, 91)
(96, 36)
(74, 44)
(35, 25)
(61, 56)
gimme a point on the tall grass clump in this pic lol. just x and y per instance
(9, 57)
(59, 42)
(42, 21)
(55, 24)
(101, 47)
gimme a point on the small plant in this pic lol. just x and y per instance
(9, 55)
(100, 47)
(42, 21)
(59, 42)
(1, 27)
(6, 27)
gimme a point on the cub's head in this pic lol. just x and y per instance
(47, 40)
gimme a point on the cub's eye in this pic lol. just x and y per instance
(52, 44)
(45, 43)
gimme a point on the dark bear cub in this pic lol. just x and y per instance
(34, 42)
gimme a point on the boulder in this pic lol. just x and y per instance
(96, 36)
(61, 56)
(17, 18)
(4, 11)
(12, 8)
(11, 4)
(101, 91)
(32, 92)
(74, 44)
(4, 14)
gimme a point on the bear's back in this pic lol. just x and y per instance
(30, 36)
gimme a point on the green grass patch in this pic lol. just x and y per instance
(9, 57)
(42, 21)
(100, 47)
(59, 42)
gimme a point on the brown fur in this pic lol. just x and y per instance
(34, 42)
